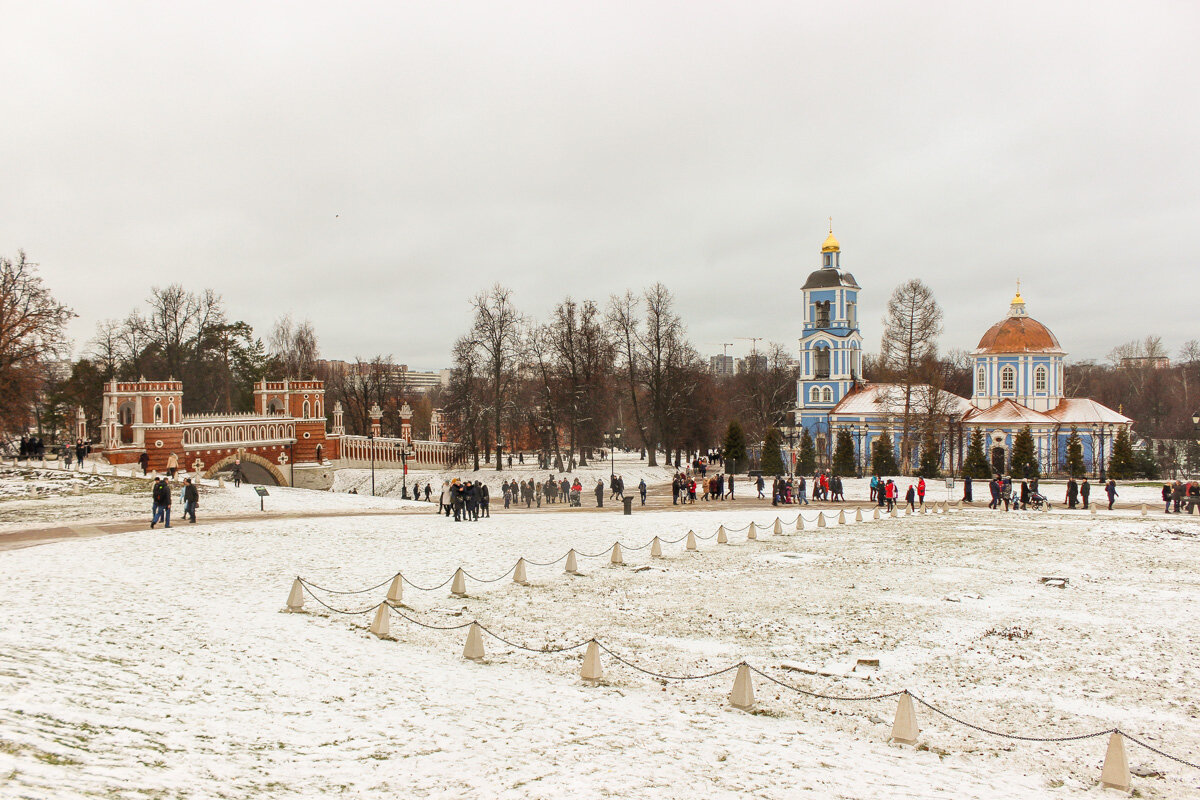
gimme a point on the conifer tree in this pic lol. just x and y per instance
(1147, 464)
(883, 459)
(806, 459)
(843, 454)
(735, 447)
(1024, 459)
(930, 464)
(1075, 454)
(1122, 465)
(976, 465)
(772, 457)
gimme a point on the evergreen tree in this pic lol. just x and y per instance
(1075, 454)
(930, 464)
(883, 457)
(1024, 459)
(843, 454)
(806, 459)
(772, 455)
(735, 447)
(976, 465)
(1147, 464)
(1122, 465)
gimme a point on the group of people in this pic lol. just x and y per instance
(31, 447)
(160, 495)
(1179, 494)
(467, 500)
(684, 487)
(74, 453)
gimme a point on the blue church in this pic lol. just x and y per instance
(1017, 371)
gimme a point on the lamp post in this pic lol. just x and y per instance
(404, 454)
(858, 461)
(371, 445)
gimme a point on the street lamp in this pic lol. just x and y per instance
(404, 454)
(858, 462)
(371, 445)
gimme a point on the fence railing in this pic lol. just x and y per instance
(357, 452)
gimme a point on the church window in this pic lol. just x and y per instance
(171, 413)
(829, 259)
(306, 409)
(814, 395)
(827, 394)
(852, 314)
(157, 413)
(1008, 379)
(822, 315)
(980, 381)
(821, 359)
(1039, 379)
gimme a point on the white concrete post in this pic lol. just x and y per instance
(656, 548)
(459, 587)
(295, 601)
(473, 650)
(1115, 774)
(904, 728)
(752, 533)
(721, 537)
(742, 695)
(381, 624)
(592, 671)
(617, 557)
(572, 566)
(395, 594)
(519, 573)
(691, 541)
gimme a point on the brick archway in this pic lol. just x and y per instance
(252, 458)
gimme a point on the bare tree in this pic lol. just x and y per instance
(32, 333)
(462, 401)
(911, 327)
(765, 390)
(623, 316)
(293, 347)
(497, 333)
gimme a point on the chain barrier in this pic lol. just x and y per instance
(981, 729)
(603, 552)
(353, 591)
(635, 549)
(545, 563)
(427, 625)
(366, 610)
(819, 695)
(547, 649)
(511, 570)
(426, 588)
(631, 665)
(1154, 749)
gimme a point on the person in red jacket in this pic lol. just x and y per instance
(921, 491)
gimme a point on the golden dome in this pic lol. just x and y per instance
(831, 244)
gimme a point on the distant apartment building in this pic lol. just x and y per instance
(399, 377)
(721, 365)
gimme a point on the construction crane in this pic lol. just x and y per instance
(754, 340)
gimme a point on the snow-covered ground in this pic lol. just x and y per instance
(157, 664)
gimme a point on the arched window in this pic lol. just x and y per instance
(1008, 379)
(821, 317)
(207, 436)
(187, 437)
(157, 413)
(827, 394)
(852, 314)
(171, 413)
(821, 362)
(981, 381)
(307, 408)
(317, 409)
(814, 395)
(1039, 379)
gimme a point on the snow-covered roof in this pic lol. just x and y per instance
(1008, 412)
(888, 399)
(1085, 411)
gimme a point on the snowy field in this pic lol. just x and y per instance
(157, 664)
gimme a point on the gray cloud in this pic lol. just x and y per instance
(372, 166)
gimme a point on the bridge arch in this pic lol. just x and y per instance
(248, 458)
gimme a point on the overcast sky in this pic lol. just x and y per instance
(372, 165)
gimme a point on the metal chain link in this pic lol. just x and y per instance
(631, 665)
(1154, 749)
(354, 591)
(786, 685)
(1014, 736)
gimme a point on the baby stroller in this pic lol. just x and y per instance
(1037, 501)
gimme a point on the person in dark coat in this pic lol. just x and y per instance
(485, 498)
(1111, 489)
(967, 489)
(600, 493)
(471, 500)
(457, 499)
(191, 499)
(144, 461)
(1024, 495)
(1085, 489)
(994, 488)
(1072, 493)
(642, 490)
(910, 497)
(161, 497)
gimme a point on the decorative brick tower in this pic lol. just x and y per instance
(406, 413)
(376, 415)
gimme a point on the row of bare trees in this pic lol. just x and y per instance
(588, 376)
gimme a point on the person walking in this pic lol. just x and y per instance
(485, 498)
(237, 473)
(172, 465)
(910, 497)
(144, 461)
(802, 491)
(600, 493)
(921, 491)
(1085, 490)
(160, 494)
(642, 490)
(1072, 493)
(1110, 489)
(729, 486)
(760, 484)
(994, 488)
(444, 499)
(191, 500)
(1166, 496)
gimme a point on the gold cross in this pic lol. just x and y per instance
(831, 224)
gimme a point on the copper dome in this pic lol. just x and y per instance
(1018, 334)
